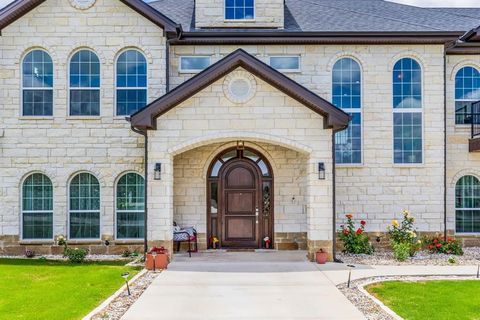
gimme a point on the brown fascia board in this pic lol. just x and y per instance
(287, 37)
(471, 36)
(464, 48)
(19, 8)
(333, 116)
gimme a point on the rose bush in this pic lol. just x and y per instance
(403, 235)
(439, 245)
(354, 239)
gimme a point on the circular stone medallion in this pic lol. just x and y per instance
(239, 87)
(82, 4)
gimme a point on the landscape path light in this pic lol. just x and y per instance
(350, 267)
(125, 276)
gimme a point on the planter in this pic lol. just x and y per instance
(57, 250)
(321, 257)
(161, 261)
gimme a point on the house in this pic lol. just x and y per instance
(247, 119)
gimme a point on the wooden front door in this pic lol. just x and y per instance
(239, 191)
(240, 200)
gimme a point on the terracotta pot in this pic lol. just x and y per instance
(161, 261)
(321, 257)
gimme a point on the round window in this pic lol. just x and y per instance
(82, 4)
(240, 87)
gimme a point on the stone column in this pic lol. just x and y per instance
(319, 208)
(160, 201)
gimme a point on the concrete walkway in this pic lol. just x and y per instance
(254, 286)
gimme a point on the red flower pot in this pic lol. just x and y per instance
(321, 257)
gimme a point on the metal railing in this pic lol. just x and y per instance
(475, 119)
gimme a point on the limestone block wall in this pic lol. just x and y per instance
(459, 161)
(211, 14)
(376, 190)
(61, 146)
(289, 170)
(269, 117)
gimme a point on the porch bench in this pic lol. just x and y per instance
(186, 235)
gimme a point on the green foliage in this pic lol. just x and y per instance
(355, 240)
(452, 260)
(76, 255)
(439, 245)
(56, 289)
(404, 233)
(439, 300)
(401, 250)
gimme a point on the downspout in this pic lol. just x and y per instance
(334, 200)
(445, 143)
(145, 161)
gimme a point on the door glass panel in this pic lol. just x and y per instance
(216, 168)
(229, 155)
(264, 168)
(266, 195)
(250, 155)
(214, 198)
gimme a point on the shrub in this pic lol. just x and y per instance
(354, 240)
(439, 245)
(452, 260)
(401, 251)
(76, 255)
(126, 253)
(404, 233)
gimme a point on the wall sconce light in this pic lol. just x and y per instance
(157, 171)
(321, 171)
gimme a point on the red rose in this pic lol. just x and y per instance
(349, 216)
(430, 247)
(435, 240)
(451, 239)
(363, 222)
(439, 245)
(346, 231)
(359, 231)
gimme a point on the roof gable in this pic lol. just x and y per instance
(333, 116)
(19, 8)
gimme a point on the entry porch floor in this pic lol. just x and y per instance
(243, 285)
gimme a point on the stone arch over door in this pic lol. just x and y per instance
(240, 200)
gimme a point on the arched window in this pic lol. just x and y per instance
(84, 207)
(467, 205)
(37, 84)
(347, 94)
(467, 90)
(130, 207)
(131, 82)
(84, 84)
(407, 112)
(37, 207)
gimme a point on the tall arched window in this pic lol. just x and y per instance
(467, 205)
(37, 84)
(347, 94)
(130, 207)
(84, 207)
(131, 82)
(407, 112)
(84, 84)
(467, 90)
(37, 207)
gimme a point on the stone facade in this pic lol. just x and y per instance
(211, 14)
(61, 146)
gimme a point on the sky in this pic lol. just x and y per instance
(425, 3)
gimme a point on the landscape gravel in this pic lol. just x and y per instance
(471, 256)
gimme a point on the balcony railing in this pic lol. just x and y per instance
(475, 118)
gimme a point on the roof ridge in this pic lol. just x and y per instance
(379, 16)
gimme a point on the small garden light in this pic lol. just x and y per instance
(321, 171)
(125, 276)
(157, 171)
(478, 271)
(350, 267)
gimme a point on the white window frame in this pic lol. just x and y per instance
(94, 211)
(180, 70)
(455, 100)
(116, 87)
(239, 20)
(409, 110)
(299, 69)
(22, 88)
(70, 88)
(42, 211)
(117, 210)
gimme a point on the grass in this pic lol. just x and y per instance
(447, 299)
(35, 289)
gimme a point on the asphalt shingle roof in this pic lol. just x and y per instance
(347, 16)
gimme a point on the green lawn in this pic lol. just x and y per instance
(437, 300)
(34, 289)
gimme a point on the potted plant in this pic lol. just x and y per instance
(157, 258)
(321, 256)
(267, 242)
